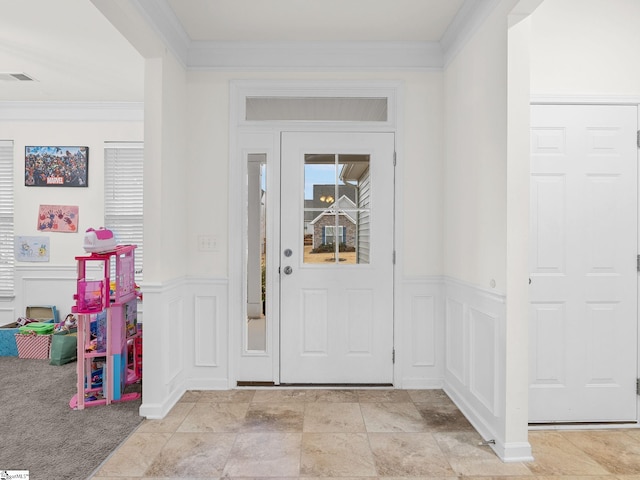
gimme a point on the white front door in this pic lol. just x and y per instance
(583, 324)
(336, 258)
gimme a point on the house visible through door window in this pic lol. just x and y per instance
(123, 190)
(336, 208)
(7, 263)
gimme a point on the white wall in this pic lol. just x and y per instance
(208, 164)
(419, 188)
(64, 246)
(586, 47)
(485, 161)
(166, 165)
(175, 181)
(167, 345)
(53, 282)
(475, 159)
(517, 308)
(419, 193)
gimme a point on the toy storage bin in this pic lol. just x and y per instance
(8, 347)
(38, 328)
(43, 313)
(33, 346)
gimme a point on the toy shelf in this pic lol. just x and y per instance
(109, 363)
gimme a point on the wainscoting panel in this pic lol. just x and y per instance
(174, 306)
(184, 341)
(456, 341)
(50, 285)
(161, 346)
(7, 314)
(483, 368)
(423, 326)
(420, 348)
(475, 372)
(206, 330)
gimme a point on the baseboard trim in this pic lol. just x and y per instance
(513, 452)
(157, 411)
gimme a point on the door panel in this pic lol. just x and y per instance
(336, 279)
(583, 324)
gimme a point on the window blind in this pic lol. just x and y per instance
(7, 252)
(123, 188)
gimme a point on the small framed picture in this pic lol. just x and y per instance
(53, 166)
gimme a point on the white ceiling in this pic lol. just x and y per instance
(71, 50)
(75, 54)
(315, 20)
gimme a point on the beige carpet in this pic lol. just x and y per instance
(40, 433)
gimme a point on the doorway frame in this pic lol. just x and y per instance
(264, 137)
(613, 101)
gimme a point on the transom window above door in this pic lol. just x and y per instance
(352, 109)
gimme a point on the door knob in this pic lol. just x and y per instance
(288, 270)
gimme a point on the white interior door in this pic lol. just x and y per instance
(336, 259)
(583, 324)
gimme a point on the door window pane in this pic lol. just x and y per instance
(336, 209)
(256, 323)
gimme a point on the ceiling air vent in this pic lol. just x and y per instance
(12, 77)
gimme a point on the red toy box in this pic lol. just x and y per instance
(33, 346)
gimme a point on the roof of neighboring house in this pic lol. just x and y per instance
(343, 202)
(317, 204)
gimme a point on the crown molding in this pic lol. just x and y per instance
(312, 56)
(163, 20)
(471, 15)
(72, 111)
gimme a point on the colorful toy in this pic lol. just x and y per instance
(100, 240)
(107, 330)
(67, 324)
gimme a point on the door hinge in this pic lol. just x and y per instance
(638, 386)
(637, 139)
(393, 355)
(393, 258)
(638, 263)
(394, 154)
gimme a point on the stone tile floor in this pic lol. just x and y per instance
(363, 434)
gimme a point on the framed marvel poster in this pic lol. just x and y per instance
(56, 166)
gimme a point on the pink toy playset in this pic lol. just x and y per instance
(108, 307)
